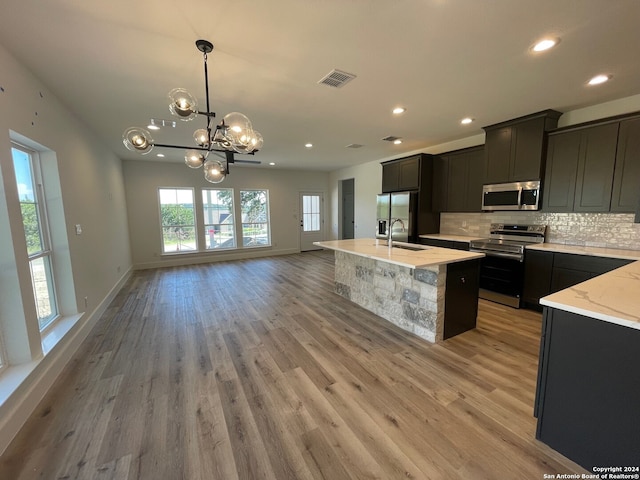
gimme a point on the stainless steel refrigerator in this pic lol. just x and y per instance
(397, 211)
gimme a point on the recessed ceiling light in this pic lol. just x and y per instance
(545, 44)
(271, 163)
(161, 155)
(466, 121)
(308, 145)
(598, 79)
(397, 142)
(398, 110)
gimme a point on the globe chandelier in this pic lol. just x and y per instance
(234, 134)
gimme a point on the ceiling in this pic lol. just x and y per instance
(114, 62)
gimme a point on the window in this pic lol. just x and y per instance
(254, 207)
(36, 228)
(219, 228)
(311, 213)
(178, 220)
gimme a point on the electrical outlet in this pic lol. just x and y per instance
(78, 229)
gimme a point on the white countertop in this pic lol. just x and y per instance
(426, 257)
(613, 297)
(592, 251)
(452, 238)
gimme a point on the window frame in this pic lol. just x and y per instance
(195, 222)
(267, 221)
(207, 226)
(46, 252)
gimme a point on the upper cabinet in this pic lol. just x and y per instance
(410, 173)
(403, 174)
(626, 178)
(458, 180)
(594, 167)
(515, 150)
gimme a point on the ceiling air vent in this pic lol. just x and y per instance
(390, 138)
(354, 145)
(337, 78)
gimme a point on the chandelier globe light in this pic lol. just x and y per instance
(234, 134)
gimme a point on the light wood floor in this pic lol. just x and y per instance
(256, 370)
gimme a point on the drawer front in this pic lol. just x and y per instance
(587, 263)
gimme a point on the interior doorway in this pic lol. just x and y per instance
(348, 208)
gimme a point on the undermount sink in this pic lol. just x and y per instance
(407, 247)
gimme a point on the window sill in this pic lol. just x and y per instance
(214, 251)
(14, 375)
(52, 335)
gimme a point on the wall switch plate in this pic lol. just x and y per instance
(78, 229)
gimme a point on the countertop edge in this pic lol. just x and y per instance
(589, 251)
(451, 237)
(590, 313)
(463, 256)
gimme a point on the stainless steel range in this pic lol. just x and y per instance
(502, 269)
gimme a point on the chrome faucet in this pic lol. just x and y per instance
(393, 222)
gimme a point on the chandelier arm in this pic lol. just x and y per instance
(204, 149)
(206, 82)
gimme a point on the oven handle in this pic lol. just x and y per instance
(490, 253)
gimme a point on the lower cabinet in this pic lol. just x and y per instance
(537, 277)
(437, 242)
(461, 297)
(588, 393)
(549, 272)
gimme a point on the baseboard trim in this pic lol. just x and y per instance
(43, 372)
(195, 259)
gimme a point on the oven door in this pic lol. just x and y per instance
(501, 279)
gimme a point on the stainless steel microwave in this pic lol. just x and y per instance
(511, 196)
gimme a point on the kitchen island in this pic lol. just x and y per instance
(588, 380)
(429, 291)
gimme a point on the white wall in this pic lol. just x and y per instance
(368, 177)
(143, 178)
(91, 194)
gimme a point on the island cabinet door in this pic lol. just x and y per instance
(461, 297)
(589, 390)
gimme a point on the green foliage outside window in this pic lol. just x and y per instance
(31, 227)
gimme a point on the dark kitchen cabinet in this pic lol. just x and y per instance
(580, 166)
(515, 150)
(626, 178)
(538, 267)
(403, 174)
(458, 180)
(550, 272)
(438, 242)
(562, 165)
(461, 298)
(594, 167)
(587, 395)
(414, 173)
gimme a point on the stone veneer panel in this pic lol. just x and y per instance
(410, 299)
(609, 230)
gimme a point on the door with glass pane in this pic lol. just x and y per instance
(311, 220)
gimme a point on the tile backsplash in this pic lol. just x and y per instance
(610, 230)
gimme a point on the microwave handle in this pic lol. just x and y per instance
(520, 197)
